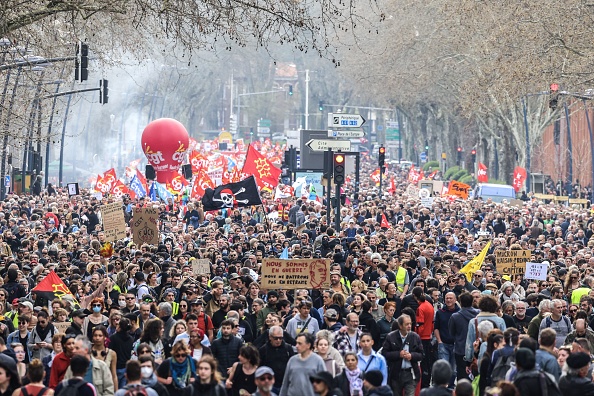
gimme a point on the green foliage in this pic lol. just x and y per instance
(431, 166)
(450, 172)
(466, 179)
(495, 181)
(459, 175)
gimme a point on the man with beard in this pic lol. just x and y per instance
(226, 348)
(212, 299)
(520, 318)
(270, 307)
(221, 313)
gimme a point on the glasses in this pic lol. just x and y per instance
(97, 305)
(573, 310)
(277, 338)
(545, 285)
(478, 276)
(129, 298)
(183, 306)
(22, 323)
(265, 378)
(181, 355)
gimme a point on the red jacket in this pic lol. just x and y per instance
(425, 314)
(59, 367)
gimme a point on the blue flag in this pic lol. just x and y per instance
(285, 253)
(162, 191)
(137, 187)
(153, 192)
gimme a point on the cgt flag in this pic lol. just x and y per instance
(481, 175)
(232, 195)
(519, 178)
(52, 287)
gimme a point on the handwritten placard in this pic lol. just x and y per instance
(458, 189)
(61, 327)
(145, 225)
(201, 266)
(114, 224)
(511, 262)
(295, 273)
(536, 271)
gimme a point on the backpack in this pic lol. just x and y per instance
(135, 390)
(69, 389)
(500, 369)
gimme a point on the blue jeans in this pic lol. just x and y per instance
(446, 352)
(121, 373)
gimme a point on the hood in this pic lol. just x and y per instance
(468, 313)
(382, 391)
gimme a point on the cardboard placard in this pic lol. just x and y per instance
(511, 262)
(516, 202)
(536, 271)
(61, 327)
(114, 224)
(295, 274)
(201, 267)
(458, 189)
(145, 225)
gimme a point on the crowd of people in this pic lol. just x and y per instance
(398, 317)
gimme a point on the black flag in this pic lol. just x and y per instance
(232, 195)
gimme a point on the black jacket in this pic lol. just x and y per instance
(342, 382)
(121, 343)
(276, 359)
(226, 351)
(529, 382)
(392, 347)
(576, 386)
(371, 326)
(436, 391)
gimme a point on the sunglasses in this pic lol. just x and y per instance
(96, 305)
(183, 306)
(573, 310)
(22, 323)
(129, 298)
(181, 355)
(265, 378)
(277, 338)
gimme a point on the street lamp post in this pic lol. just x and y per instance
(591, 147)
(528, 178)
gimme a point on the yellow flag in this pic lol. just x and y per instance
(475, 264)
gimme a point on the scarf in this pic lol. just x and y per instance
(182, 372)
(355, 381)
(42, 333)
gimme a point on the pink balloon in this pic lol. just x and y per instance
(165, 142)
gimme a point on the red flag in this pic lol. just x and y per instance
(414, 175)
(375, 176)
(519, 178)
(198, 161)
(52, 287)
(481, 175)
(201, 183)
(177, 184)
(384, 223)
(431, 175)
(110, 178)
(142, 180)
(119, 189)
(392, 189)
(265, 173)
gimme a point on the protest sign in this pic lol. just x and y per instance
(295, 273)
(145, 225)
(114, 224)
(201, 266)
(536, 271)
(458, 189)
(511, 262)
(62, 326)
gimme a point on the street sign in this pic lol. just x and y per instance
(334, 145)
(392, 133)
(7, 181)
(264, 127)
(346, 134)
(345, 120)
(423, 156)
(309, 159)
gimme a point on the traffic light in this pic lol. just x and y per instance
(473, 154)
(426, 145)
(339, 170)
(553, 96)
(290, 90)
(321, 105)
(81, 64)
(103, 91)
(459, 157)
(382, 157)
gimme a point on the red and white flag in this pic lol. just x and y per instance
(519, 178)
(481, 175)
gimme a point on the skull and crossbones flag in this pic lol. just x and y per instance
(232, 195)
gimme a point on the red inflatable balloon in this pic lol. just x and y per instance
(165, 142)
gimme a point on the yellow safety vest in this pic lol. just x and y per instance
(400, 279)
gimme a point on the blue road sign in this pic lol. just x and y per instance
(7, 181)
(423, 156)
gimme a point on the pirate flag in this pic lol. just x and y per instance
(52, 287)
(232, 195)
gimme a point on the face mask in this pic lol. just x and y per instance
(146, 372)
(122, 303)
(96, 309)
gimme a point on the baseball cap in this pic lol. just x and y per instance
(27, 304)
(263, 370)
(331, 314)
(79, 313)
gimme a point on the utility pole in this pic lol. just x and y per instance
(306, 99)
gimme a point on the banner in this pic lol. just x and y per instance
(201, 266)
(536, 271)
(519, 178)
(476, 263)
(201, 183)
(265, 173)
(145, 225)
(114, 224)
(511, 262)
(481, 175)
(137, 187)
(458, 189)
(61, 327)
(232, 195)
(295, 274)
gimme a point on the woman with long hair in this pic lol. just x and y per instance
(495, 341)
(121, 343)
(100, 352)
(357, 287)
(572, 281)
(179, 370)
(208, 382)
(9, 377)
(152, 335)
(242, 374)
(35, 386)
(323, 347)
(19, 352)
(385, 323)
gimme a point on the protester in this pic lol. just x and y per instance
(133, 381)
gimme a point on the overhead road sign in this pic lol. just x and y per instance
(345, 120)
